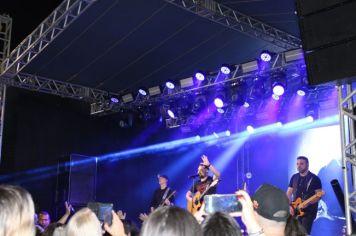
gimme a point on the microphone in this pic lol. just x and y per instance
(193, 176)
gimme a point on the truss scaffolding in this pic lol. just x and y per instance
(348, 141)
(5, 36)
(43, 35)
(243, 23)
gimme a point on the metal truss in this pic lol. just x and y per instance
(348, 142)
(2, 110)
(5, 36)
(228, 17)
(50, 86)
(43, 35)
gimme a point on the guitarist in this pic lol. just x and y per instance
(305, 185)
(204, 182)
(163, 196)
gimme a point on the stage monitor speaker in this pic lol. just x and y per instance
(328, 37)
(82, 179)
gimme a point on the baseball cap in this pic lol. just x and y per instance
(162, 176)
(273, 203)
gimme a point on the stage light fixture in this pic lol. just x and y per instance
(127, 98)
(302, 91)
(227, 133)
(275, 97)
(250, 129)
(114, 99)
(220, 110)
(265, 56)
(199, 75)
(278, 89)
(199, 104)
(143, 91)
(225, 69)
(170, 84)
(171, 113)
(218, 102)
(153, 91)
(312, 111)
(246, 104)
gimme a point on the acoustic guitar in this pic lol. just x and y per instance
(195, 204)
(298, 204)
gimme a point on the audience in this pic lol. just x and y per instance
(173, 221)
(220, 224)
(17, 212)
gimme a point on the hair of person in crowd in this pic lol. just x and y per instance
(220, 224)
(84, 222)
(17, 212)
(173, 221)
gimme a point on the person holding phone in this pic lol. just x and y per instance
(204, 186)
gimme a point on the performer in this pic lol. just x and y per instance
(204, 186)
(163, 196)
(306, 186)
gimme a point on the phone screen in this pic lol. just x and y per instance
(222, 202)
(102, 211)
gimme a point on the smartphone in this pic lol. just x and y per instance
(222, 202)
(102, 210)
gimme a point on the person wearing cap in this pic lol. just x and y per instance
(205, 181)
(163, 196)
(267, 213)
(304, 185)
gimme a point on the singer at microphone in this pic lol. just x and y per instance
(204, 185)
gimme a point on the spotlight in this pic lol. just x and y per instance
(171, 114)
(114, 99)
(250, 129)
(218, 102)
(310, 118)
(246, 104)
(170, 85)
(225, 69)
(302, 91)
(199, 76)
(143, 91)
(265, 56)
(227, 132)
(221, 111)
(275, 97)
(216, 135)
(278, 89)
(197, 137)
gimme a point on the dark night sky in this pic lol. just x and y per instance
(26, 16)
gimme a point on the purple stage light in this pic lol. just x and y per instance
(171, 114)
(114, 99)
(143, 92)
(265, 56)
(225, 70)
(200, 76)
(310, 118)
(197, 137)
(218, 102)
(250, 129)
(246, 104)
(278, 89)
(275, 97)
(221, 111)
(301, 92)
(170, 85)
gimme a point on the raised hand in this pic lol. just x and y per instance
(122, 215)
(205, 160)
(143, 217)
(116, 228)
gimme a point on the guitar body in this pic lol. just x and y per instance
(298, 204)
(194, 205)
(297, 211)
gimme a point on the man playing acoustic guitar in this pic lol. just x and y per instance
(204, 186)
(307, 191)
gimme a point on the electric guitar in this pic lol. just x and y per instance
(167, 198)
(195, 204)
(298, 204)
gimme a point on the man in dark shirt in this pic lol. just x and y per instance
(204, 181)
(163, 196)
(305, 185)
